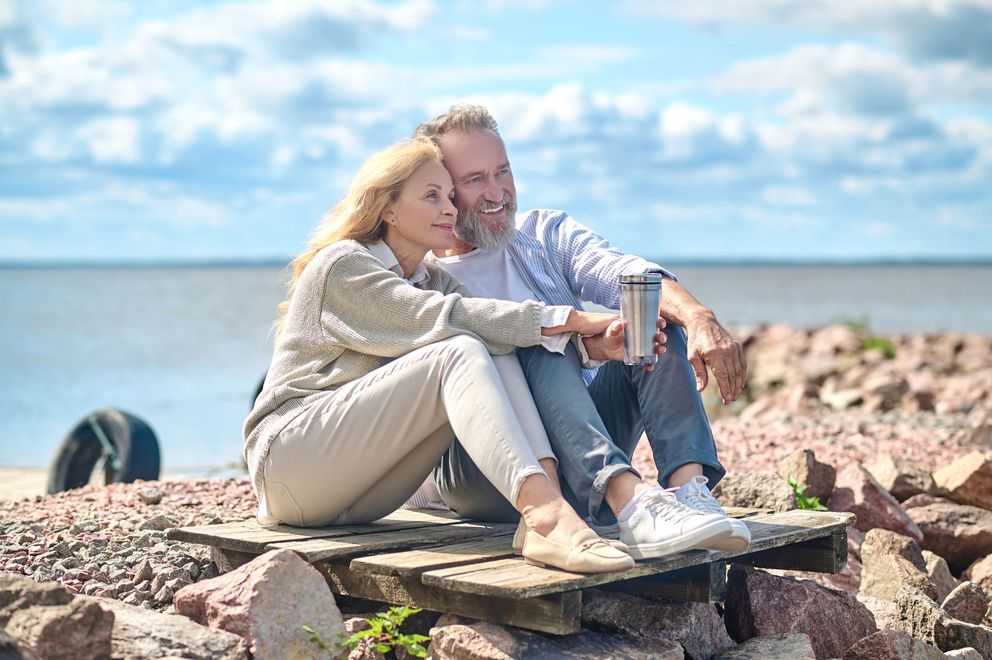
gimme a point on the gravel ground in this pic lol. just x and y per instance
(110, 541)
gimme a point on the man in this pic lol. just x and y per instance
(593, 419)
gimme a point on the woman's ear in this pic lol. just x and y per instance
(389, 215)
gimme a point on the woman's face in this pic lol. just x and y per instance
(423, 216)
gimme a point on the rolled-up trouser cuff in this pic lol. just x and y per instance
(598, 492)
(519, 481)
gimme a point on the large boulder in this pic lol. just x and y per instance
(923, 619)
(890, 560)
(957, 532)
(940, 574)
(757, 490)
(267, 602)
(141, 634)
(902, 477)
(802, 466)
(883, 391)
(968, 602)
(11, 650)
(967, 480)
(795, 646)
(79, 629)
(456, 638)
(18, 592)
(980, 572)
(858, 492)
(698, 627)
(760, 604)
(884, 610)
(892, 645)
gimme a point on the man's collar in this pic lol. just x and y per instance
(382, 252)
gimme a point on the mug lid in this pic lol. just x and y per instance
(641, 278)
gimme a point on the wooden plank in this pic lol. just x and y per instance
(827, 554)
(414, 562)
(249, 536)
(558, 614)
(314, 550)
(228, 560)
(507, 578)
(705, 583)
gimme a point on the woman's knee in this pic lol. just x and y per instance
(463, 347)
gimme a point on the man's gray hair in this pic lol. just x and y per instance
(463, 117)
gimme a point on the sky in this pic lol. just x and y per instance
(723, 129)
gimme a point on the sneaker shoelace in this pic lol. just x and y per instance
(702, 500)
(665, 506)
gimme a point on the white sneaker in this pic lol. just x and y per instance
(660, 525)
(696, 495)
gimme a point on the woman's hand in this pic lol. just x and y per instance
(609, 345)
(582, 323)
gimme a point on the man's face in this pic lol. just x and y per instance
(484, 192)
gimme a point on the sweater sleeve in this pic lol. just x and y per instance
(370, 309)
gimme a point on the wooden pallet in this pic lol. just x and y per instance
(444, 564)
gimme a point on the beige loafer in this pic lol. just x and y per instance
(521, 532)
(588, 553)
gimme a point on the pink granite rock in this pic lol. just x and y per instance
(80, 629)
(940, 574)
(818, 477)
(267, 601)
(795, 646)
(957, 532)
(967, 480)
(760, 604)
(758, 490)
(901, 477)
(968, 602)
(698, 627)
(858, 492)
(892, 645)
(921, 499)
(923, 619)
(890, 560)
(980, 572)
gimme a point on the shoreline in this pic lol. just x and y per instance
(19, 483)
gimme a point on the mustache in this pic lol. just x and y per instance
(489, 206)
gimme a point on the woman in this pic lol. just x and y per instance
(380, 360)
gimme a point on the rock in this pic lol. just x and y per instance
(18, 592)
(957, 532)
(966, 653)
(79, 629)
(968, 602)
(698, 627)
(884, 610)
(454, 638)
(796, 646)
(892, 645)
(939, 574)
(143, 572)
(901, 477)
(140, 633)
(11, 650)
(760, 604)
(159, 523)
(980, 572)
(921, 499)
(858, 492)
(151, 495)
(267, 601)
(924, 620)
(759, 490)
(841, 399)
(890, 560)
(967, 480)
(883, 392)
(802, 466)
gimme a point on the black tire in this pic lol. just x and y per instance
(135, 443)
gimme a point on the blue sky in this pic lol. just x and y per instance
(725, 129)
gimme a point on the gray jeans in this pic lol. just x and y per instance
(593, 431)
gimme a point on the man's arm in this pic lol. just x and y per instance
(708, 342)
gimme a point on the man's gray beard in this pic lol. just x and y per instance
(472, 229)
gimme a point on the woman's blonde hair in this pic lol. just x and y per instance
(358, 216)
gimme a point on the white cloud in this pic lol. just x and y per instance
(111, 139)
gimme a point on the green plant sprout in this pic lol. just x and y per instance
(887, 347)
(383, 631)
(805, 502)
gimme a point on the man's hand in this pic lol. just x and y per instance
(609, 344)
(709, 344)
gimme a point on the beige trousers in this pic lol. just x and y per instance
(365, 448)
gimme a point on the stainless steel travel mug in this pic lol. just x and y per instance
(640, 296)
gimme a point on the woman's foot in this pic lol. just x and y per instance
(584, 553)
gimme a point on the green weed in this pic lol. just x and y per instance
(383, 630)
(887, 347)
(805, 502)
